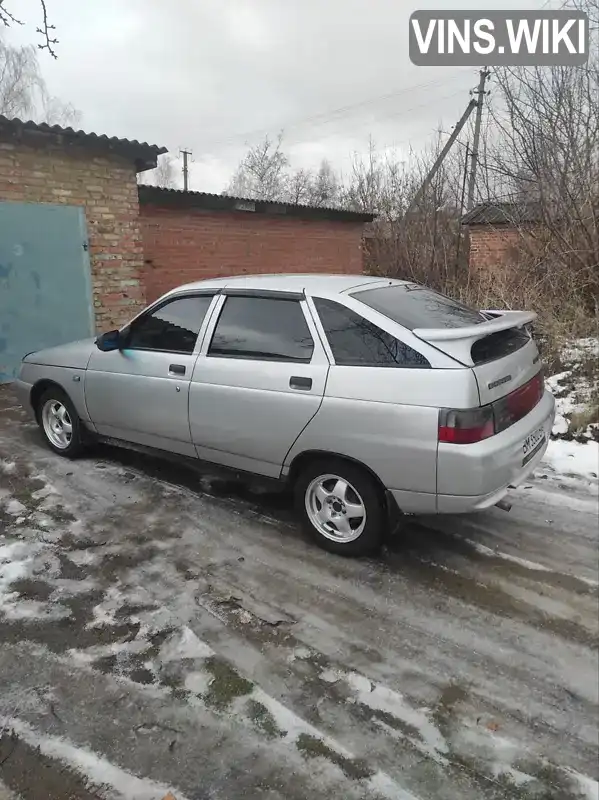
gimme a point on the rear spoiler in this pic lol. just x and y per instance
(457, 342)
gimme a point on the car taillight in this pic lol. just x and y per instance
(466, 426)
(519, 403)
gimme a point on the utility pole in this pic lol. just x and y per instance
(442, 155)
(462, 198)
(480, 99)
(185, 154)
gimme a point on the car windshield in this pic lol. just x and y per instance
(418, 307)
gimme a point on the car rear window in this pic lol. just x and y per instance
(417, 307)
(498, 345)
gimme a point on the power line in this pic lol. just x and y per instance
(395, 114)
(295, 140)
(331, 115)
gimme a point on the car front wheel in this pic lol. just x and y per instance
(60, 423)
(341, 506)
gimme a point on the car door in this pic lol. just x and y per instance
(258, 381)
(380, 407)
(141, 392)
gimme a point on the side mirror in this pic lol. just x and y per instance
(109, 341)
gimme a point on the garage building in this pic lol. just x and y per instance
(83, 247)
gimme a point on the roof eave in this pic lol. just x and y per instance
(142, 155)
(205, 201)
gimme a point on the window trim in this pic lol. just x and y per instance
(294, 297)
(267, 294)
(329, 350)
(161, 304)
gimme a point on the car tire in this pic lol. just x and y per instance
(342, 507)
(58, 419)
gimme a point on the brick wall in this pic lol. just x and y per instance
(492, 248)
(105, 185)
(181, 246)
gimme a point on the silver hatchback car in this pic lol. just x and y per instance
(365, 395)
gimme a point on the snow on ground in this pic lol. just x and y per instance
(573, 458)
(116, 783)
(581, 348)
(574, 451)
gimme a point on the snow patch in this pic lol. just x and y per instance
(517, 777)
(15, 508)
(198, 682)
(573, 458)
(293, 726)
(588, 787)
(7, 467)
(573, 389)
(105, 612)
(24, 609)
(17, 561)
(98, 770)
(581, 348)
(14, 563)
(301, 652)
(533, 566)
(381, 698)
(184, 644)
(44, 492)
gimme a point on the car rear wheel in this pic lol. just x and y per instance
(341, 506)
(60, 423)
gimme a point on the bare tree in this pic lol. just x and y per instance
(20, 80)
(542, 153)
(45, 29)
(54, 111)
(425, 246)
(298, 187)
(265, 173)
(165, 174)
(23, 91)
(325, 186)
(262, 174)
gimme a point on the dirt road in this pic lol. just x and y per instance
(164, 631)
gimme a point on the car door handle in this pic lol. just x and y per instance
(177, 369)
(296, 382)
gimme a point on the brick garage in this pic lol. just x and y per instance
(43, 164)
(189, 236)
(496, 232)
(143, 240)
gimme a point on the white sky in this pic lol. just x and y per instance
(216, 75)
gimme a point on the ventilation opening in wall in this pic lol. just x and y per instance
(245, 205)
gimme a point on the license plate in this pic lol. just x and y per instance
(532, 444)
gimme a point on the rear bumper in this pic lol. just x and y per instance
(474, 477)
(477, 476)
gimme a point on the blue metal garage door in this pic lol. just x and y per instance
(45, 284)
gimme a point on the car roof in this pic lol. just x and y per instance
(310, 283)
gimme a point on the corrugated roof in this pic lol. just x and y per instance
(178, 198)
(144, 155)
(502, 213)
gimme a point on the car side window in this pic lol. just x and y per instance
(357, 342)
(171, 328)
(262, 328)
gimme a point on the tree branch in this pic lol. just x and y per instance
(7, 18)
(48, 40)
